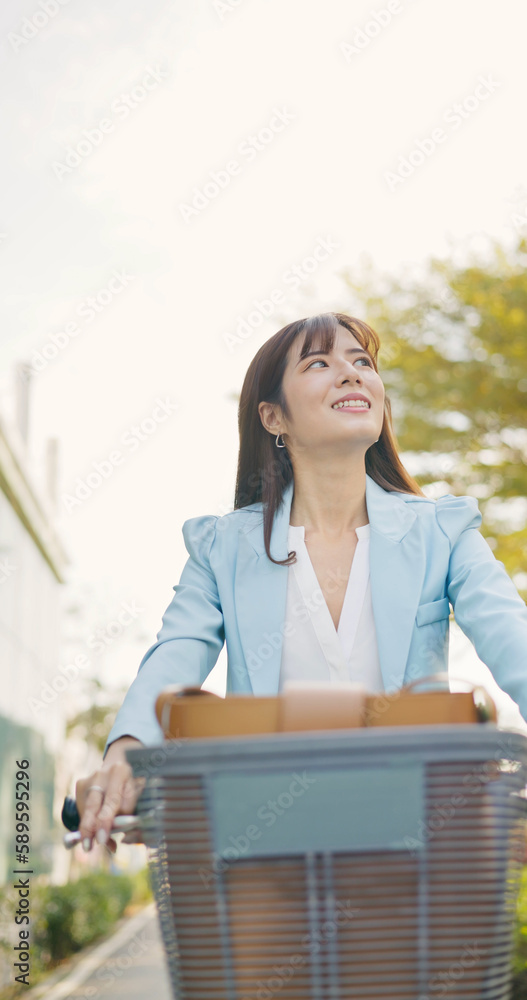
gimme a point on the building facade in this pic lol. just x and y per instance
(32, 564)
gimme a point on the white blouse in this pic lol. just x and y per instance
(313, 650)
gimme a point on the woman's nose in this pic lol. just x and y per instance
(350, 375)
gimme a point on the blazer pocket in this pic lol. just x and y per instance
(434, 611)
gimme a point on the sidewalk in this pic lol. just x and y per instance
(131, 964)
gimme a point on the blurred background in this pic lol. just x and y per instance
(178, 182)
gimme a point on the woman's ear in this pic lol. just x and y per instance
(269, 418)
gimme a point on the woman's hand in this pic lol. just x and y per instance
(121, 791)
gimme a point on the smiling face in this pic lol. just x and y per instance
(311, 386)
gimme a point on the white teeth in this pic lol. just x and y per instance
(355, 403)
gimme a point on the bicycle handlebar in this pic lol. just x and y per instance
(71, 820)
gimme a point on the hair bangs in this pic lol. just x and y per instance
(319, 334)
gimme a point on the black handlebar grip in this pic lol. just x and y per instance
(70, 814)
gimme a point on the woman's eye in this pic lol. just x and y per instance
(320, 361)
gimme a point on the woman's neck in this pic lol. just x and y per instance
(330, 507)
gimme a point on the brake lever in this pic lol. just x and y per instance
(121, 824)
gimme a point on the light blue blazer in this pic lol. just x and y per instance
(425, 555)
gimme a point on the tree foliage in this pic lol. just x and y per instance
(454, 363)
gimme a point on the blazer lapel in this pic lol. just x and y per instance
(397, 570)
(260, 591)
(397, 573)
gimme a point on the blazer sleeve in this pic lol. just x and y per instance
(188, 643)
(487, 605)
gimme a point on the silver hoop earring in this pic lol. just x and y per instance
(276, 442)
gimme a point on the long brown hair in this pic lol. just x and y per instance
(265, 471)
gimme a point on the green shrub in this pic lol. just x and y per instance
(68, 917)
(519, 962)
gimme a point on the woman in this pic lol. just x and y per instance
(372, 563)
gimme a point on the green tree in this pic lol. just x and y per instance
(454, 363)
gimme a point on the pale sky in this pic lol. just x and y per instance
(104, 219)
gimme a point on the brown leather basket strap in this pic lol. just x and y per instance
(485, 706)
(308, 707)
(165, 701)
